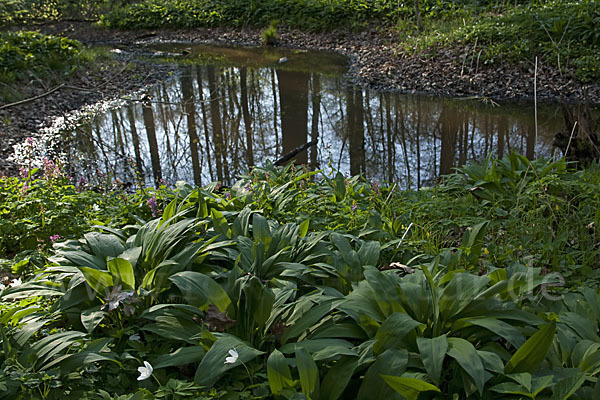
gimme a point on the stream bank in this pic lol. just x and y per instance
(374, 62)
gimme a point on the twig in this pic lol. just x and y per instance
(535, 104)
(403, 236)
(32, 98)
(295, 151)
(570, 138)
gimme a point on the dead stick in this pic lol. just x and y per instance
(292, 153)
(32, 98)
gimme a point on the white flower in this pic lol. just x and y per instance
(2, 287)
(234, 356)
(135, 337)
(16, 282)
(96, 207)
(145, 372)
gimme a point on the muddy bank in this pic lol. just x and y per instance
(108, 80)
(374, 61)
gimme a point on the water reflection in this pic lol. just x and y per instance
(216, 119)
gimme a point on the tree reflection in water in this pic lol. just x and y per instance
(215, 120)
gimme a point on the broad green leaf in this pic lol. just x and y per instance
(459, 293)
(213, 364)
(349, 330)
(384, 290)
(200, 290)
(308, 319)
(498, 327)
(393, 331)
(491, 361)
(340, 186)
(337, 378)
(104, 245)
(202, 207)
(91, 318)
(220, 224)
(175, 327)
(322, 349)
(539, 383)
(473, 240)
(304, 227)
(586, 356)
(342, 244)
(49, 346)
(369, 253)
(122, 273)
(32, 289)
(31, 327)
(278, 372)
(566, 387)
(593, 301)
(132, 255)
(511, 388)
(583, 327)
(465, 354)
(169, 211)
(98, 280)
(260, 229)
(309, 373)
(410, 388)
(532, 352)
(72, 362)
(523, 379)
(373, 386)
(80, 258)
(181, 356)
(259, 300)
(433, 352)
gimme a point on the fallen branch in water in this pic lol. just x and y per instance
(292, 153)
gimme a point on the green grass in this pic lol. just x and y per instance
(564, 33)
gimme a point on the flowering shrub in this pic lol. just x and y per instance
(43, 205)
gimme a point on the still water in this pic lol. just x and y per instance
(230, 108)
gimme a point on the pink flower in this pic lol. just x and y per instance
(375, 186)
(153, 206)
(54, 238)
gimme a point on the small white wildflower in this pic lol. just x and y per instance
(96, 207)
(234, 356)
(16, 282)
(145, 372)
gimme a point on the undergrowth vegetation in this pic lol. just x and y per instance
(291, 284)
(565, 33)
(31, 55)
(44, 11)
